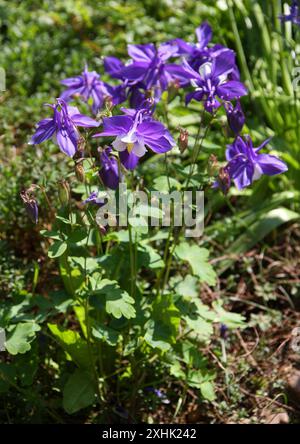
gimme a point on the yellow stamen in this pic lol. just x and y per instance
(129, 147)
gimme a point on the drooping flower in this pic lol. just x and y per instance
(62, 127)
(30, 204)
(109, 171)
(135, 132)
(246, 164)
(212, 83)
(294, 14)
(88, 85)
(235, 117)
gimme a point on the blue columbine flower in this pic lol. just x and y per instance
(88, 85)
(235, 117)
(109, 171)
(135, 132)
(294, 15)
(93, 199)
(212, 83)
(62, 127)
(246, 164)
(148, 69)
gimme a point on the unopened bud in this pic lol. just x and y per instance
(30, 206)
(79, 172)
(223, 180)
(64, 192)
(80, 148)
(183, 140)
(212, 166)
(173, 89)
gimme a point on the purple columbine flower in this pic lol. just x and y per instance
(149, 67)
(246, 164)
(199, 53)
(62, 127)
(135, 132)
(88, 85)
(294, 15)
(212, 82)
(235, 117)
(109, 171)
(93, 199)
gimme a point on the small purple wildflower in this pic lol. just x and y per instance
(62, 127)
(135, 132)
(212, 82)
(246, 164)
(93, 199)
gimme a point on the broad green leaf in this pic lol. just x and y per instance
(78, 236)
(79, 392)
(57, 249)
(118, 303)
(188, 287)
(21, 336)
(197, 257)
(73, 344)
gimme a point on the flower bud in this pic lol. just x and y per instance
(173, 89)
(30, 206)
(64, 192)
(235, 117)
(212, 166)
(79, 172)
(183, 140)
(223, 180)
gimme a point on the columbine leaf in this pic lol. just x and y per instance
(106, 334)
(57, 249)
(188, 287)
(198, 259)
(118, 302)
(73, 344)
(21, 336)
